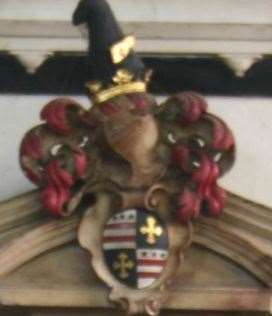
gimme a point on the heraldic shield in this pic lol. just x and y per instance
(135, 246)
(135, 250)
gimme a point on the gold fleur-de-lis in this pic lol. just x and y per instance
(151, 230)
(123, 265)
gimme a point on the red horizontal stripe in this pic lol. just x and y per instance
(124, 225)
(147, 275)
(118, 238)
(151, 262)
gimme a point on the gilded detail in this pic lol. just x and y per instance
(120, 51)
(122, 76)
(122, 84)
(94, 86)
(123, 265)
(151, 230)
(131, 87)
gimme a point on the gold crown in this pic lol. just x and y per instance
(122, 84)
(123, 81)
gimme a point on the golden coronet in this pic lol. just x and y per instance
(114, 91)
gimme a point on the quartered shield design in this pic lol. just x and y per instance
(135, 246)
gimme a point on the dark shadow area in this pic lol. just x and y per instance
(207, 75)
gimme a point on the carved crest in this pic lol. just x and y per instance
(135, 246)
(134, 251)
(135, 181)
(138, 171)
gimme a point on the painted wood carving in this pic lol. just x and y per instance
(140, 171)
(136, 177)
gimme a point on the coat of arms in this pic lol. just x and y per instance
(135, 246)
(139, 172)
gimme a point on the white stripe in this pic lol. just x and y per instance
(119, 245)
(149, 254)
(153, 269)
(119, 232)
(122, 221)
(142, 283)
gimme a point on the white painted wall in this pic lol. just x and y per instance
(250, 119)
(198, 11)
